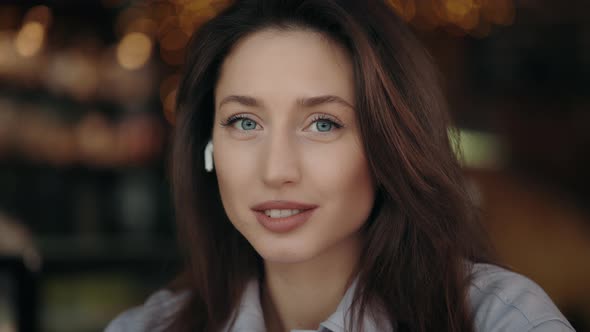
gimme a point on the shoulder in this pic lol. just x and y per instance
(152, 315)
(502, 300)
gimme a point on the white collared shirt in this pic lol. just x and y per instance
(249, 315)
(500, 300)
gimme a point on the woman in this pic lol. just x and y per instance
(316, 188)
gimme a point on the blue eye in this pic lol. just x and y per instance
(241, 122)
(324, 125)
(246, 124)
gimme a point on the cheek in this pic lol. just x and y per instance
(234, 163)
(234, 175)
(342, 175)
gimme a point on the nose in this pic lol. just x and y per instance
(281, 161)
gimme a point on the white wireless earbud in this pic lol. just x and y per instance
(209, 157)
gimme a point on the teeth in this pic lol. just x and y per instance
(275, 213)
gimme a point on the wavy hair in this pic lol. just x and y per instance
(423, 233)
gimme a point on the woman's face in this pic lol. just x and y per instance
(292, 173)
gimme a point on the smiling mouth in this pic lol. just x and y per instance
(280, 209)
(276, 213)
(283, 220)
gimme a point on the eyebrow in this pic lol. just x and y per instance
(242, 100)
(302, 102)
(319, 100)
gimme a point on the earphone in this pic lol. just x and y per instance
(209, 157)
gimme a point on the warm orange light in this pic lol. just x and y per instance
(168, 90)
(461, 16)
(189, 21)
(406, 9)
(174, 39)
(456, 10)
(125, 18)
(169, 107)
(469, 21)
(29, 39)
(168, 85)
(41, 14)
(143, 25)
(134, 50)
(428, 15)
(161, 10)
(6, 49)
(457, 16)
(174, 57)
(191, 14)
(198, 8)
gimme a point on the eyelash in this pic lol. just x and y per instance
(322, 117)
(229, 121)
(317, 117)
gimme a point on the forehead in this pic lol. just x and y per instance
(286, 63)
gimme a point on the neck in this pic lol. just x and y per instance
(302, 295)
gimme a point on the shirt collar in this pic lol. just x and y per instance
(249, 316)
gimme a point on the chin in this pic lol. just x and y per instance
(285, 254)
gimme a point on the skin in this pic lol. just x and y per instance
(286, 145)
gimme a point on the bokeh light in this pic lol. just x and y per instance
(29, 39)
(74, 73)
(143, 25)
(464, 16)
(41, 14)
(405, 8)
(134, 50)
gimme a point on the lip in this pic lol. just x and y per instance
(282, 205)
(286, 224)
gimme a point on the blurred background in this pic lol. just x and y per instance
(87, 91)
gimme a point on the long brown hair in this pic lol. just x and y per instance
(423, 233)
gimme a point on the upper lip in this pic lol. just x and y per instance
(282, 205)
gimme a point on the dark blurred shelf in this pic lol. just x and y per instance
(94, 278)
(133, 253)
